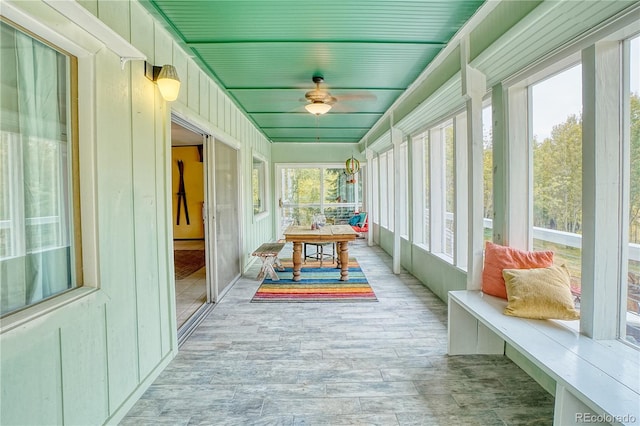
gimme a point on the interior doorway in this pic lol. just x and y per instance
(188, 187)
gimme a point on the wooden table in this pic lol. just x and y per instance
(339, 234)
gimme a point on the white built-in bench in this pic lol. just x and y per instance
(597, 382)
(268, 254)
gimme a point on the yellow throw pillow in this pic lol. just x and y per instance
(540, 293)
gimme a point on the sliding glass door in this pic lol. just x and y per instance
(227, 220)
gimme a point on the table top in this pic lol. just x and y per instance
(299, 233)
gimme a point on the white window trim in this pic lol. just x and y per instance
(419, 202)
(257, 217)
(625, 187)
(391, 189)
(437, 200)
(602, 143)
(461, 205)
(383, 165)
(403, 187)
(375, 190)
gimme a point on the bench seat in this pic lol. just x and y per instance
(268, 254)
(594, 379)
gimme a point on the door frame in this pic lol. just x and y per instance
(208, 247)
(184, 117)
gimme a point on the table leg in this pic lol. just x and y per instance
(297, 260)
(344, 260)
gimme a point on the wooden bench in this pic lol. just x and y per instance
(268, 253)
(597, 382)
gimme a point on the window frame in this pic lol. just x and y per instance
(375, 193)
(391, 189)
(83, 209)
(601, 58)
(488, 221)
(438, 189)
(461, 191)
(538, 231)
(403, 187)
(625, 190)
(519, 166)
(263, 186)
(383, 165)
(421, 201)
(323, 203)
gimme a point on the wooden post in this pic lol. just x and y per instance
(474, 87)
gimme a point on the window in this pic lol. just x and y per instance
(300, 199)
(421, 189)
(630, 312)
(556, 109)
(442, 182)
(39, 226)
(384, 191)
(449, 188)
(427, 189)
(259, 185)
(403, 188)
(443, 187)
(341, 187)
(487, 145)
(391, 189)
(375, 196)
(306, 191)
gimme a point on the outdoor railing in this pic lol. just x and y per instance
(301, 214)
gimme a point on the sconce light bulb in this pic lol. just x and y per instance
(168, 83)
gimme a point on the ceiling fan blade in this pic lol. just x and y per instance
(341, 108)
(360, 96)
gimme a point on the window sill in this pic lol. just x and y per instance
(444, 257)
(44, 308)
(621, 347)
(422, 247)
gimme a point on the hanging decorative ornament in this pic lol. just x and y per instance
(352, 167)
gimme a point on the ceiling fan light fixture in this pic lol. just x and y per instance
(318, 108)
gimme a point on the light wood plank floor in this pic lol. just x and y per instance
(380, 363)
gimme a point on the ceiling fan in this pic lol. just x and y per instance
(320, 101)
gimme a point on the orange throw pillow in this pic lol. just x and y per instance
(497, 258)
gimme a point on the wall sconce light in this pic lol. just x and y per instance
(166, 77)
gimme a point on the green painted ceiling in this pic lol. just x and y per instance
(264, 53)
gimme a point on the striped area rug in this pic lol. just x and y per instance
(317, 285)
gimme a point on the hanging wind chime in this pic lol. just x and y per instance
(352, 167)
